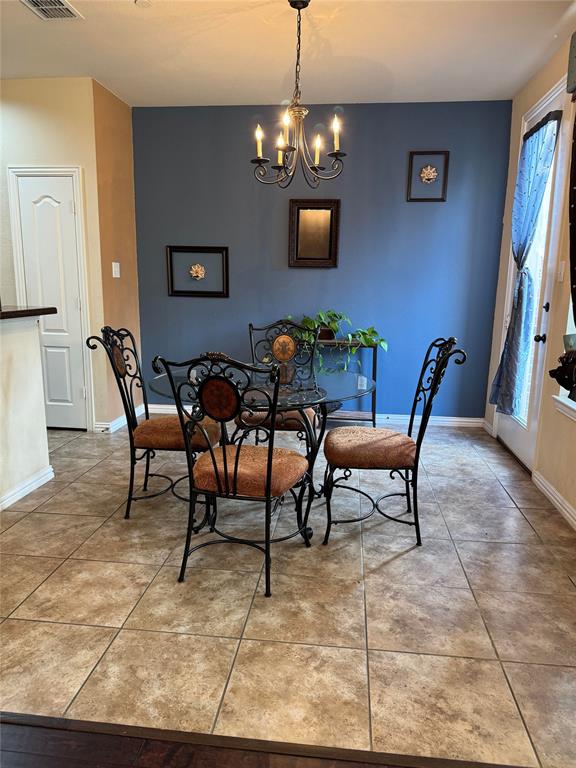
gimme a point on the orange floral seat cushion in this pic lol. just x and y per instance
(288, 467)
(164, 433)
(369, 448)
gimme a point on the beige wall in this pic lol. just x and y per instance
(115, 181)
(76, 122)
(555, 458)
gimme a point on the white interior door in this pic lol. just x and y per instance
(51, 277)
(519, 432)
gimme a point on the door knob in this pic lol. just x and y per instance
(541, 338)
(546, 307)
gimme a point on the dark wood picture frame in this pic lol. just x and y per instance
(330, 257)
(441, 197)
(223, 293)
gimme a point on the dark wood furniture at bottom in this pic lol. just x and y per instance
(34, 741)
(342, 344)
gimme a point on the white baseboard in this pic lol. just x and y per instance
(26, 487)
(114, 426)
(490, 428)
(381, 418)
(561, 504)
(435, 421)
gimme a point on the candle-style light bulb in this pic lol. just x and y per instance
(336, 129)
(280, 145)
(286, 122)
(317, 148)
(259, 136)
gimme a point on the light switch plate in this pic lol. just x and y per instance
(115, 269)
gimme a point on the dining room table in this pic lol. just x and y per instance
(328, 389)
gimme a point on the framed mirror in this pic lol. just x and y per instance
(313, 233)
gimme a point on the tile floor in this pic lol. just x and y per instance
(464, 648)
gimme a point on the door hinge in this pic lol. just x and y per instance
(84, 393)
(72, 207)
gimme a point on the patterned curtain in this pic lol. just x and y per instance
(533, 171)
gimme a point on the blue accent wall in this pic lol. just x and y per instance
(414, 270)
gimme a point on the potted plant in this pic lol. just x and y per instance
(328, 321)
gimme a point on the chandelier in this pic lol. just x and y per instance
(291, 145)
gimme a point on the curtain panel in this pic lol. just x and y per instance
(536, 158)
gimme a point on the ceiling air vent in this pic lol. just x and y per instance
(52, 10)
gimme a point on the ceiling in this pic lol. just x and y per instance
(213, 52)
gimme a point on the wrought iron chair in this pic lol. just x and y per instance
(217, 387)
(292, 347)
(365, 448)
(148, 435)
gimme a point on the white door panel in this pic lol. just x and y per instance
(49, 247)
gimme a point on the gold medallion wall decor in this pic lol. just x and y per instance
(427, 176)
(197, 271)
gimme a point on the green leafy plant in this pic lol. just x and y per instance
(334, 321)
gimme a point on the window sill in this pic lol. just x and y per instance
(565, 406)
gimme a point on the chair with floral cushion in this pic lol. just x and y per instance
(216, 387)
(147, 436)
(292, 347)
(366, 448)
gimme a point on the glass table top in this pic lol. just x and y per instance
(329, 387)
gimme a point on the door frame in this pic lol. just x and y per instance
(76, 174)
(553, 233)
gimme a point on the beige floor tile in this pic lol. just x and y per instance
(341, 558)
(507, 469)
(138, 540)
(565, 555)
(400, 561)
(297, 693)
(547, 699)
(496, 525)
(82, 449)
(464, 465)
(49, 535)
(85, 499)
(158, 680)
(551, 526)
(19, 576)
(10, 516)
(379, 483)
(39, 496)
(437, 620)
(447, 708)
(316, 611)
(513, 567)
(69, 469)
(532, 628)
(44, 665)
(475, 493)
(525, 494)
(208, 602)
(87, 592)
(222, 556)
(432, 525)
(116, 471)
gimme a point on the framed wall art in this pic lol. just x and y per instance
(195, 270)
(427, 176)
(313, 233)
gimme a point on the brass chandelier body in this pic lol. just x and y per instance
(292, 147)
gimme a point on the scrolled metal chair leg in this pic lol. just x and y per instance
(131, 484)
(267, 558)
(328, 495)
(147, 472)
(415, 508)
(191, 514)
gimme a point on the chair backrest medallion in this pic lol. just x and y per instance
(291, 346)
(224, 390)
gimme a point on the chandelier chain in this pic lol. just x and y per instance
(297, 93)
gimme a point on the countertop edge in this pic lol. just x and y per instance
(11, 312)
